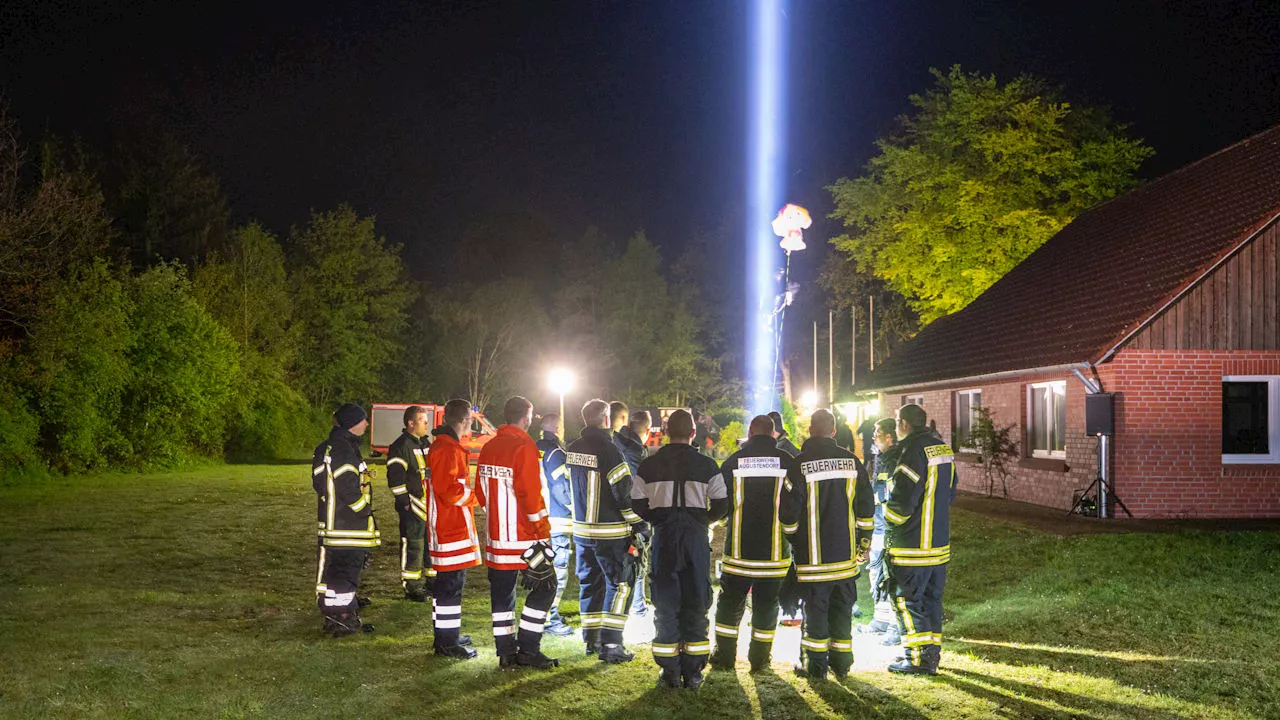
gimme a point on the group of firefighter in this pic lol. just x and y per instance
(800, 523)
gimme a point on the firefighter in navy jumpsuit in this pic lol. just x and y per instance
(918, 538)
(559, 497)
(407, 480)
(603, 525)
(680, 492)
(833, 535)
(763, 487)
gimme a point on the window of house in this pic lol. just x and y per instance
(913, 400)
(967, 404)
(1047, 419)
(1251, 419)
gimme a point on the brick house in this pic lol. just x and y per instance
(1166, 297)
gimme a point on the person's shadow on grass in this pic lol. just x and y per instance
(1077, 705)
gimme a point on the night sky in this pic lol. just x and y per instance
(440, 117)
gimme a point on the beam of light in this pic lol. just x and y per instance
(765, 161)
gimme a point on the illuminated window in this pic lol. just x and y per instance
(1251, 419)
(913, 400)
(1047, 419)
(967, 404)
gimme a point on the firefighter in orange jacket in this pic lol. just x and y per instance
(454, 546)
(518, 538)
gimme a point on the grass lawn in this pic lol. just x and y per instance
(190, 595)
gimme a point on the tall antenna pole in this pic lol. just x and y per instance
(871, 329)
(831, 357)
(815, 356)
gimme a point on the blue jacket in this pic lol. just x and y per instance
(555, 483)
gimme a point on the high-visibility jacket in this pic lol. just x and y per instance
(918, 510)
(886, 461)
(453, 543)
(838, 516)
(764, 490)
(510, 476)
(344, 510)
(601, 483)
(407, 473)
(678, 483)
(555, 483)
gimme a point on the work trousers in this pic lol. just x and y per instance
(446, 615)
(413, 543)
(882, 598)
(917, 595)
(605, 575)
(680, 581)
(340, 576)
(828, 624)
(562, 544)
(764, 617)
(502, 600)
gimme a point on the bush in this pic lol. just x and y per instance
(185, 369)
(78, 368)
(19, 436)
(729, 436)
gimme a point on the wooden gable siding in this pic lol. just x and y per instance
(1234, 308)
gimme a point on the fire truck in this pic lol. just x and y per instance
(387, 421)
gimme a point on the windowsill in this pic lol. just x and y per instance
(969, 458)
(1050, 464)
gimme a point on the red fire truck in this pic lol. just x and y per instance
(387, 421)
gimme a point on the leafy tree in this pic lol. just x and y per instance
(350, 296)
(246, 289)
(78, 367)
(491, 331)
(167, 206)
(973, 181)
(185, 369)
(47, 228)
(849, 289)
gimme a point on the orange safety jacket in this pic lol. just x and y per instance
(454, 545)
(510, 477)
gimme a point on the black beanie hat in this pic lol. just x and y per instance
(348, 416)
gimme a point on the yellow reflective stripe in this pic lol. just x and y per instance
(617, 473)
(738, 500)
(777, 523)
(791, 529)
(921, 562)
(629, 515)
(783, 564)
(726, 630)
(842, 646)
(919, 552)
(352, 542)
(762, 635)
(345, 468)
(351, 533)
(868, 524)
(697, 648)
(399, 489)
(820, 645)
(926, 515)
(665, 649)
(360, 504)
(601, 530)
(893, 517)
(908, 472)
(400, 461)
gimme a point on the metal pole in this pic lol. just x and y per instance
(831, 357)
(815, 356)
(871, 329)
(1102, 473)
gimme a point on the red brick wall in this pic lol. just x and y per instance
(1168, 449)
(1031, 482)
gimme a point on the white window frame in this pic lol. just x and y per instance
(972, 415)
(1051, 454)
(913, 400)
(1273, 422)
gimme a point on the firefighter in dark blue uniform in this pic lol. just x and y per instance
(632, 448)
(559, 498)
(346, 528)
(885, 441)
(680, 492)
(832, 535)
(603, 528)
(406, 478)
(918, 538)
(764, 484)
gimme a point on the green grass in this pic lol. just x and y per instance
(189, 595)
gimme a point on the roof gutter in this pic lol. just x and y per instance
(1179, 295)
(1002, 375)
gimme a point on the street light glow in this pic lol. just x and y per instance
(809, 399)
(560, 380)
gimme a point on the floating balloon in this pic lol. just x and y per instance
(790, 225)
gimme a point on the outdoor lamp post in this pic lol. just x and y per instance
(560, 380)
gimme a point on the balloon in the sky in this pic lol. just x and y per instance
(790, 224)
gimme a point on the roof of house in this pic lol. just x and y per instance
(1103, 275)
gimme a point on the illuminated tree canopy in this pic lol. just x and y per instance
(976, 178)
